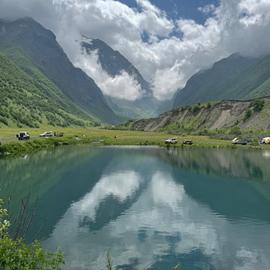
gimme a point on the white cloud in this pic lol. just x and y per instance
(207, 9)
(122, 86)
(166, 60)
(166, 81)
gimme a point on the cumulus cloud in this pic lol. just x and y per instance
(166, 81)
(174, 49)
(122, 86)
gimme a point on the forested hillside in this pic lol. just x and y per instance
(32, 101)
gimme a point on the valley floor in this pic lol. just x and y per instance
(10, 146)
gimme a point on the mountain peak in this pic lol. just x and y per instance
(26, 20)
(113, 62)
(26, 26)
(29, 22)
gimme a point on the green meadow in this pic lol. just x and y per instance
(10, 146)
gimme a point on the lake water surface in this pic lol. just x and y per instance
(151, 208)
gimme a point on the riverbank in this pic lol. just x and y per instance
(10, 146)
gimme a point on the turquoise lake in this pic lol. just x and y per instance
(151, 208)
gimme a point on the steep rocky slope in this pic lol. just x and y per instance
(249, 114)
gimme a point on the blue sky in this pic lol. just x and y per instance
(187, 9)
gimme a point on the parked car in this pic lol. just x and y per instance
(171, 141)
(188, 142)
(47, 134)
(265, 140)
(23, 135)
(240, 141)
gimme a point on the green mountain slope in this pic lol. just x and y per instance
(254, 82)
(34, 100)
(41, 47)
(235, 77)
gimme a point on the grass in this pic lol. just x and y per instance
(97, 136)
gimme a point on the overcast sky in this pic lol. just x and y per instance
(168, 41)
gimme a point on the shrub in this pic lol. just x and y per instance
(257, 105)
(15, 254)
(196, 108)
(247, 115)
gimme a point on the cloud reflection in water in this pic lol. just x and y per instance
(162, 220)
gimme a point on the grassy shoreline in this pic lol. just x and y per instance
(95, 136)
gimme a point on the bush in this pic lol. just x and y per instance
(247, 115)
(196, 108)
(16, 255)
(257, 105)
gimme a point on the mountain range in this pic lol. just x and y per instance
(40, 85)
(233, 93)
